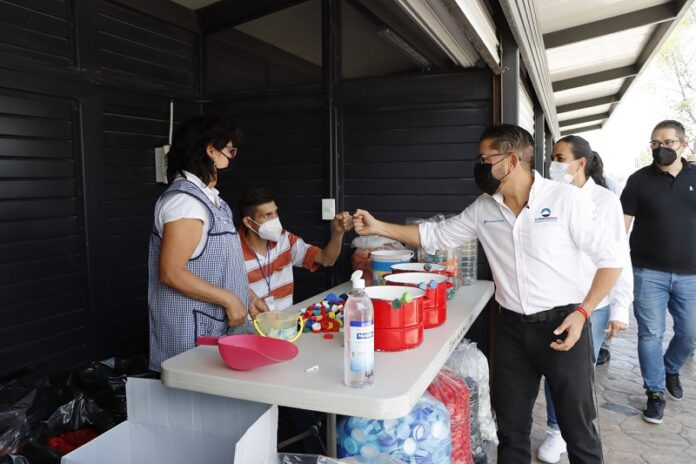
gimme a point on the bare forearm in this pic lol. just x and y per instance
(329, 254)
(603, 282)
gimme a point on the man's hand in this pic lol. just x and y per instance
(364, 223)
(342, 223)
(615, 327)
(573, 324)
(235, 310)
(257, 306)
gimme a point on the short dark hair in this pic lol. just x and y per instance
(594, 166)
(250, 199)
(672, 124)
(190, 142)
(508, 138)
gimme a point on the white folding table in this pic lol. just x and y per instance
(400, 377)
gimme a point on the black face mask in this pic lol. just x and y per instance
(484, 177)
(664, 156)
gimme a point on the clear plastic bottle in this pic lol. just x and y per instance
(359, 334)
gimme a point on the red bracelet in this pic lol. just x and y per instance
(583, 311)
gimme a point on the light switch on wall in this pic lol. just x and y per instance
(328, 209)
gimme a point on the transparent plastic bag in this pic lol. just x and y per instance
(449, 257)
(13, 428)
(454, 394)
(467, 361)
(364, 245)
(421, 436)
(287, 458)
(478, 448)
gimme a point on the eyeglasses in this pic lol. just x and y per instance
(663, 143)
(233, 151)
(482, 158)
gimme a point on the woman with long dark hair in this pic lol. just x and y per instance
(197, 281)
(574, 162)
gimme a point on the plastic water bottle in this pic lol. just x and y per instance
(359, 333)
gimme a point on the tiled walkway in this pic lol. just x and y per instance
(626, 438)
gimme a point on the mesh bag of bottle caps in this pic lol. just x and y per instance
(423, 436)
(449, 258)
(454, 394)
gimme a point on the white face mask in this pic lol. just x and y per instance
(559, 171)
(270, 230)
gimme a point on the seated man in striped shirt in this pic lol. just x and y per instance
(270, 252)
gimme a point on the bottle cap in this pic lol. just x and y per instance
(358, 281)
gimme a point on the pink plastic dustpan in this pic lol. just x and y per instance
(246, 352)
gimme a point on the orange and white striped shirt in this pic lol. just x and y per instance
(271, 275)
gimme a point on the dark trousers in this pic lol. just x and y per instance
(522, 356)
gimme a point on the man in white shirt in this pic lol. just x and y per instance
(533, 230)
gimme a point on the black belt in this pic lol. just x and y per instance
(559, 312)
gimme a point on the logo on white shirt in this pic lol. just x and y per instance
(492, 221)
(545, 216)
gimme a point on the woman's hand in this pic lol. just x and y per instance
(615, 327)
(235, 310)
(257, 306)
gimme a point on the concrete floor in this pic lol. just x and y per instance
(626, 437)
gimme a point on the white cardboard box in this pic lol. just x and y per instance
(167, 425)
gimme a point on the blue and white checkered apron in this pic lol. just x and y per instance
(176, 320)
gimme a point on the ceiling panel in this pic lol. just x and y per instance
(297, 30)
(556, 15)
(587, 92)
(598, 54)
(584, 112)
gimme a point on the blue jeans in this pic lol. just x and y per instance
(599, 320)
(653, 292)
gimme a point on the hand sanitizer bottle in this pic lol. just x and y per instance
(359, 333)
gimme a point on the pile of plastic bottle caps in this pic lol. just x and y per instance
(423, 436)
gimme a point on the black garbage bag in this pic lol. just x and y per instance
(13, 428)
(33, 394)
(79, 413)
(13, 459)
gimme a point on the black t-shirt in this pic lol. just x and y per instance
(664, 229)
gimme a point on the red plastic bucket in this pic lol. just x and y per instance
(397, 326)
(435, 301)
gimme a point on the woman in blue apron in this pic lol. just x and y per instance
(197, 281)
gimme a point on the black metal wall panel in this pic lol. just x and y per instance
(45, 319)
(414, 156)
(132, 45)
(282, 150)
(36, 31)
(409, 144)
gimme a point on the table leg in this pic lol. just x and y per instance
(331, 435)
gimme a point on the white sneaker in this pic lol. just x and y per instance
(550, 451)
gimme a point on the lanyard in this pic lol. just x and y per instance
(268, 266)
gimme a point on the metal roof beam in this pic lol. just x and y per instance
(589, 79)
(224, 14)
(581, 129)
(588, 103)
(584, 119)
(653, 15)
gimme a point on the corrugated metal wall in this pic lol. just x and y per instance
(83, 102)
(43, 290)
